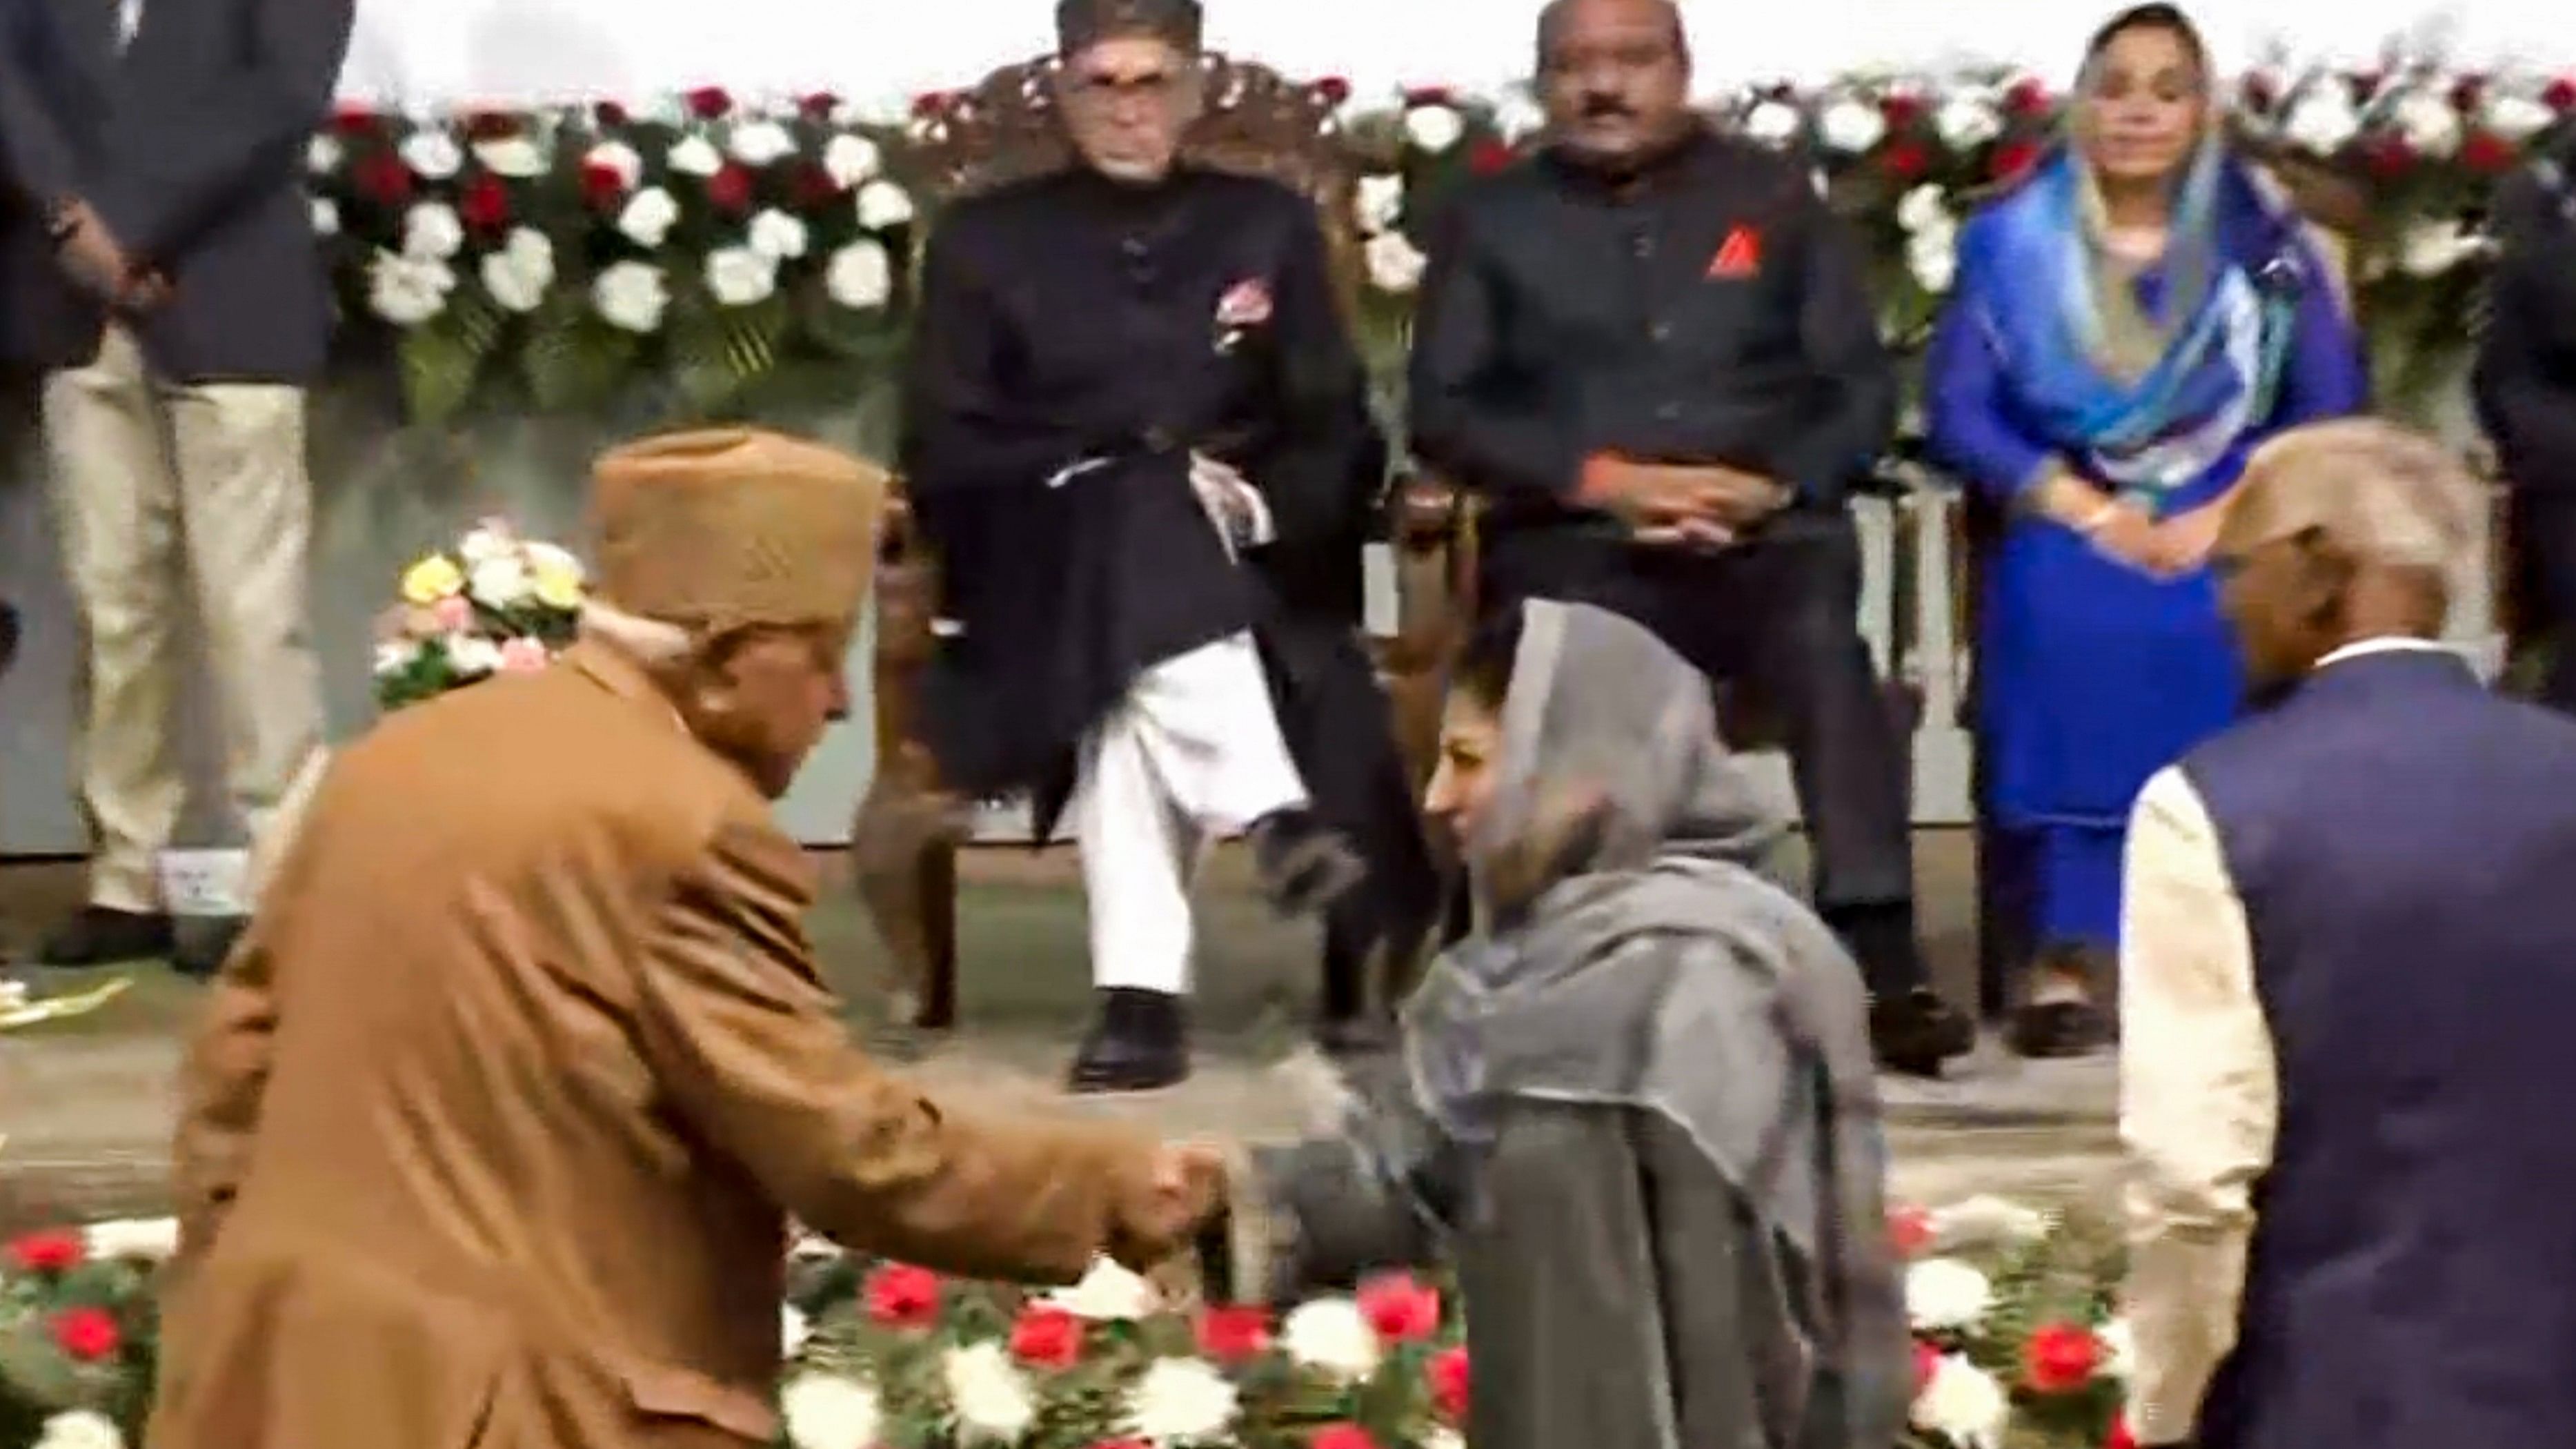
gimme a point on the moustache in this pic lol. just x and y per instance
(1605, 107)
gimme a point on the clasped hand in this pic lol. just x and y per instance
(2166, 550)
(99, 264)
(1688, 505)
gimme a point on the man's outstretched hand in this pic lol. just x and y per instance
(1187, 1189)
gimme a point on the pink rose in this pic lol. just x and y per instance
(524, 656)
(453, 614)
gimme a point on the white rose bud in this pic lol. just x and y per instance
(762, 143)
(1394, 265)
(516, 157)
(695, 156)
(406, 290)
(519, 274)
(2322, 122)
(631, 295)
(1379, 201)
(2429, 122)
(1967, 121)
(1433, 129)
(1852, 127)
(2517, 118)
(851, 161)
(323, 155)
(740, 276)
(778, 236)
(860, 276)
(883, 204)
(1772, 124)
(326, 216)
(432, 153)
(649, 216)
(431, 229)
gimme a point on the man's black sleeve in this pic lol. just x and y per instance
(1472, 421)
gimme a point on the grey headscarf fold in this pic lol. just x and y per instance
(1640, 958)
(1082, 23)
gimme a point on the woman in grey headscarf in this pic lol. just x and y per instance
(1636, 1105)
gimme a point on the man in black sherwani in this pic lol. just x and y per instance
(1130, 381)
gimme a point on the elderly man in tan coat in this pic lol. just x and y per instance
(492, 1133)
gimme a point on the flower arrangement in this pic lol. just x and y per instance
(708, 243)
(496, 604)
(2016, 1349)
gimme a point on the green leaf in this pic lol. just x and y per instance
(574, 361)
(716, 351)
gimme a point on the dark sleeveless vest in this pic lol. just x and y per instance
(2405, 844)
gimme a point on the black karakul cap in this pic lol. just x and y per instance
(1081, 23)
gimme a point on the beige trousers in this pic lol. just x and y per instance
(160, 488)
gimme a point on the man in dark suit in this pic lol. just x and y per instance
(158, 265)
(2526, 392)
(2347, 968)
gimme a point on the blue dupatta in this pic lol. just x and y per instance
(2223, 299)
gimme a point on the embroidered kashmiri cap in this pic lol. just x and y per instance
(724, 529)
(1083, 23)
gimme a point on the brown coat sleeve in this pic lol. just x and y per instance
(221, 1086)
(748, 1045)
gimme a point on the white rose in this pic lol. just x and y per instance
(1433, 129)
(793, 1330)
(883, 204)
(1850, 127)
(860, 276)
(1378, 201)
(776, 235)
(149, 1240)
(1946, 1295)
(517, 157)
(487, 541)
(851, 161)
(649, 216)
(1963, 1404)
(2428, 121)
(323, 155)
(431, 230)
(1443, 1438)
(1393, 264)
(1332, 1336)
(326, 216)
(432, 153)
(695, 156)
(502, 583)
(631, 295)
(989, 1393)
(2119, 1349)
(830, 1411)
(408, 291)
(394, 656)
(1968, 120)
(1924, 208)
(1986, 1221)
(2322, 122)
(472, 655)
(1517, 116)
(1181, 1401)
(1773, 123)
(885, 108)
(2434, 248)
(618, 157)
(1932, 256)
(79, 1429)
(519, 274)
(555, 558)
(740, 276)
(2517, 118)
(762, 143)
(1108, 1293)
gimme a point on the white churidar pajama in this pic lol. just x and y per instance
(1193, 753)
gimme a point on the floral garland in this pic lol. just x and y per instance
(706, 245)
(2016, 1349)
(498, 604)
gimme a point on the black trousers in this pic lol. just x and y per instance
(2544, 554)
(1775, 615)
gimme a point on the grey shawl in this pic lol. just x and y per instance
(1619, 822)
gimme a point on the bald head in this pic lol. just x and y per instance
(1552, 20)
(2344, 531)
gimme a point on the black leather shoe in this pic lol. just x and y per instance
(102, 936)
(1138, 1043)
(2059, 1029)
(1918, 1031)
(1304, 866)
(204, 947)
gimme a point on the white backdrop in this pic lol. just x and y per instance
(422, 51)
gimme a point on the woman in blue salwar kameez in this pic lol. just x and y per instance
(2127, 325)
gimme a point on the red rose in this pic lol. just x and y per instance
(86, 1334)
(812, 185)
(2468, 93)
(2122, 1436)
(1233, 1335)
(2012, 158)
(929, 104)
(1910, 1230)
(1927, 1362)
(55, 1252)
(608, 115)
(1334, 89)
(1341, 1436)
(1905, 160)
(484, 205)
(2028, 97)
(1400, 1308)
(354, 120)
(1488, 156)
(1900, 110)
(709, 103)
(1447, 1372)
(381, 177)
(1426, 96)
(491, 125)
(2059, 1358)
(2561, 94)
(2485, 153)
(730, 188)
(2387, 157)
(819, 106)
(1047, 1336)
(899, 1295)
(602, 186)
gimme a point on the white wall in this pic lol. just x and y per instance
(517, 50)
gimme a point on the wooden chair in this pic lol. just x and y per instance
(909, 828)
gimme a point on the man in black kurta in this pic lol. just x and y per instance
(1652, 350)
(1127, 377)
